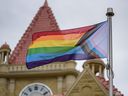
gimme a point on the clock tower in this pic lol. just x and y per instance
(17, 80)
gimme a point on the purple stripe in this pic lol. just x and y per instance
(57, 59)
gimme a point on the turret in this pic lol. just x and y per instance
(4, 53)
(96, 65)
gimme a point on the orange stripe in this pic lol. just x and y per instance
(60, 37)
(54, 43)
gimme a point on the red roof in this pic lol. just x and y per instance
(5, 46)
(105, 83)
(43, 21)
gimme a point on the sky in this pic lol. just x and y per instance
(16, 15)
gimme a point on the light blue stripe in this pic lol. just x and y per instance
(98, 41)
(94, 49)
(38, 57)
(98, 53)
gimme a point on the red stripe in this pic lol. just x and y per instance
(62, 32)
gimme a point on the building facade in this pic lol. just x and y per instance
(56, 79)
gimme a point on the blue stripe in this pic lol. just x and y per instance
(38, 57)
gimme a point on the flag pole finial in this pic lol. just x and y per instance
(109, 12)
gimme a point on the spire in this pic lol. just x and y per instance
(46, 3)
(43, 21)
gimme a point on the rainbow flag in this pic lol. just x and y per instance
(75, 44)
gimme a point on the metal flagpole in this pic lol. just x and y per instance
(109, 15)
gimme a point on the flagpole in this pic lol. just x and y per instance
(109, 15)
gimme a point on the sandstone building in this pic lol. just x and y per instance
(56, 79)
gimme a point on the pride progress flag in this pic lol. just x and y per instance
(84, 43)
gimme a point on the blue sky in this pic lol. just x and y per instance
(16, 16)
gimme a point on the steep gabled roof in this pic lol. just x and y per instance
(87, 85)
(43, 21)
(91, 85)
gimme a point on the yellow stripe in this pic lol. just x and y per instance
(53, 43)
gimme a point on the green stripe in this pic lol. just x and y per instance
(48, 50)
